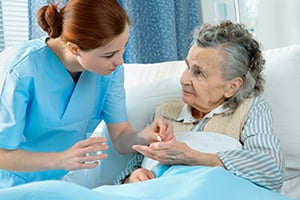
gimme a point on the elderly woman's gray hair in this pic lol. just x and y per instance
(243, 57)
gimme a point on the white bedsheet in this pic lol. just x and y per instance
(291, 188)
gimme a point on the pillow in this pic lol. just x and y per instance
(148, 84)
(201, 141)
(142, 99)
(141, 74)
(282, 90)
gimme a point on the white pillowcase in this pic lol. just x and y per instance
(143, 99)
(282, 90)
(148, 84)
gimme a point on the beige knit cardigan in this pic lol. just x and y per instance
(230, 125)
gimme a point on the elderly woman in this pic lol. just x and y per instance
(221, 89)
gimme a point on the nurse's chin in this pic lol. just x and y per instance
(108, 72)
(105, 73)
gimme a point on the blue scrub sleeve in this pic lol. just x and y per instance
(13, 104)
(114, 108)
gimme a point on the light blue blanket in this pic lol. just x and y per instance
(177, 182)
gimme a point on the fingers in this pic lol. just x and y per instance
(141, 175)
(155, 146)
(90, 141)
(85, 154)
(86, 161)
(165, 153)
(93, 152)
(145, 176)
(89, 160)
(147, 151)
(94, 148)
(164, 130)
(91, 145)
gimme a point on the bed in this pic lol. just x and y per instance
(148, 84)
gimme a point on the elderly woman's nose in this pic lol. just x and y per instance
(186, 77)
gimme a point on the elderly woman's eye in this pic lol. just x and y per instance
(198, 72)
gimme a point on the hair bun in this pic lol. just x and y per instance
(50, 20)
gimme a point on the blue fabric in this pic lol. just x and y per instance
(33, 5)
(43, 110)
(160, 30)
(178, 182)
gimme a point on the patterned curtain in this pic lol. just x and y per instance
(161, 30)
(33, 5)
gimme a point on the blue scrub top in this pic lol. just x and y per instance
(43, 110)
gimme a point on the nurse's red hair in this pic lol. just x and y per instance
(87, 23)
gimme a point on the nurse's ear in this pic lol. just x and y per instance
(73, 48)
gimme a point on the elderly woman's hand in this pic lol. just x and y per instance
(171, 152)
(140, 174)
(175, 152)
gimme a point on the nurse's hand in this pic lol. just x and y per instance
(160, 130)
(83, 154)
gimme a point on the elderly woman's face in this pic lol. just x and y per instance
(203, 85)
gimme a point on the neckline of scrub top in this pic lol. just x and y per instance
(84, 92)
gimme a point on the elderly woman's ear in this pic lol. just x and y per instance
(232, 86)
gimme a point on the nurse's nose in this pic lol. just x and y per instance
(119, 60)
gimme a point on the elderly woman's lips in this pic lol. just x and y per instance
(186, 92)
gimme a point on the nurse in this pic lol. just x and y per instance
(55, 90)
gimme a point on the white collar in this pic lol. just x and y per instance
(186, 115)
